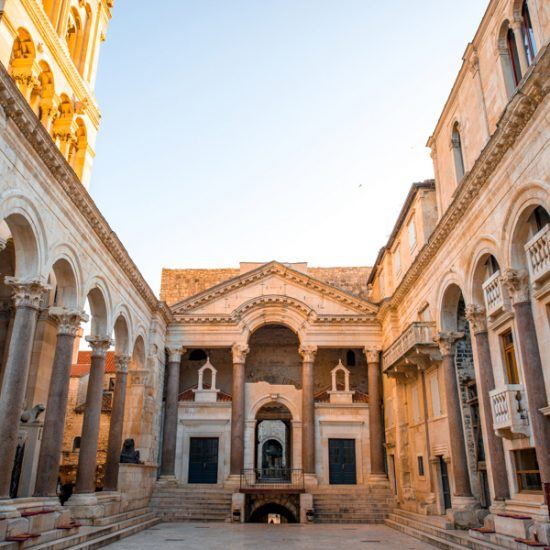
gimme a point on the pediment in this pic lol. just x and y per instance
(274, 285)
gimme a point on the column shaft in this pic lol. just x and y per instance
(376, 426)
(308, 409)
(114, 444)
(169, 434)
(237, 419)
(87, 458)
(16, 369)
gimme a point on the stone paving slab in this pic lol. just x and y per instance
(224, 536)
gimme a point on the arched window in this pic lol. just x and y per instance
(528, 35)
(197, 355)
(350, 358)
(513, 55)
(456, 144)
(76, 443)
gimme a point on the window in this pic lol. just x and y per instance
(350, 358)
(540, 218)
(197, 355)
(527, 33)
(513, 55)
(412, 234)
(456, 144)
(491, 267)
(420, 460)
(434, 390)
(76, 444)
(112, 383)
(509, 353)
(527, 471)
(397, 260)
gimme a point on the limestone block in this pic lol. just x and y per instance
(17, 526)
(41, 523)
(516, 527)
(543, 532)
(306, 505)
(3, 528)
(238, 507)
(62, 517)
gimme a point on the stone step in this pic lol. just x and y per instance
(424, 527)
(121, 517)
(425, 537)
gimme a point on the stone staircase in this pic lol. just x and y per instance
(435, 530)
(191, 503)
(339, 504)
(87, 537)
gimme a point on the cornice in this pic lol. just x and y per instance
(273, 268)
(519, 111)
(58, 49)
(19, 112)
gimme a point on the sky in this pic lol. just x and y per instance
(258, 130)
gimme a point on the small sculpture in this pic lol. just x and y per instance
(31, 415)
(129, 455)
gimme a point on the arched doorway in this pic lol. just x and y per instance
(272, 512)
(273, 442)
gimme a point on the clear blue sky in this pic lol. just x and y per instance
(252, 130)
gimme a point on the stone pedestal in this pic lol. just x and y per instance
(306, 508)
(238, 508)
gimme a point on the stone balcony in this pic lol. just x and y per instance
(538, 256)
(496, 296)
(510, 413)
(413, 347)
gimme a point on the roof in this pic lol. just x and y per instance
(84, 361)
(324, 396)
(189, 394)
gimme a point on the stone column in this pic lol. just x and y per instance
(47, 472)
(169, 433)
(459, 462)
(114, 444)
(27, 295)
(517, 283)
(87, 458)
(376, 424)
(485, 383)
(308, 409)
(237, 409)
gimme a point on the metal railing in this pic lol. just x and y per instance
(268, 479)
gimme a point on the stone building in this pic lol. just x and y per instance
(414, 392)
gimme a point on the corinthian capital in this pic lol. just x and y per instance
(68, 319)
(372, 355)
(516, 282)
(121, 363)
(175, 354)
(477, 318)
(27, 292)
(447, 340)
(100, 345)
(308, 353)
(239, 352)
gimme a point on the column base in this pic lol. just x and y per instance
(310, 481)
(8, 509)
(168, 479)
(378, 479)
(466, 512)
(232, 481)
(89, 507)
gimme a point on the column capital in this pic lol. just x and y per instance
(372, 355)
(121, 363)
(308, 353)
(447, 340)
(239, 352)
(477, 317)
(68, 319)
(516, 282)
(27, 292)
(175, 354)
(100, 345)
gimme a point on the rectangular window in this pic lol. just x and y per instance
(415, 404)
(527, 471)
(420, 465)
(397, 260)
(412, 234)
(509, 355)
(434, 390)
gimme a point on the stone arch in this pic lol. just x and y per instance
(486, 247)
(121, 331)
(510, 66)
(138, 354)
(448, 307)
(43, 95)
(65, 285)
(99, 301)
(66, 254)
(255, 407)
(286, 506)
(22, 58)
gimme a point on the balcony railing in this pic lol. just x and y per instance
(416, 335)
(538, 256)
(259, 480)
(496, 299)
(510, 418)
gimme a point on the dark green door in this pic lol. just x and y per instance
(341, 458)
(203, 460)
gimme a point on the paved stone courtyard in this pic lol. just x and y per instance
(225, 536)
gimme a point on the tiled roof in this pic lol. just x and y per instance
(358, 396)
(188, 394)
(85, 360)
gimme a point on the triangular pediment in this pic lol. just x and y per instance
(274, 283)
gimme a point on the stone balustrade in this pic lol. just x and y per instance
(494, 294)
(420, 333)
(538, 256)
(510, 413)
